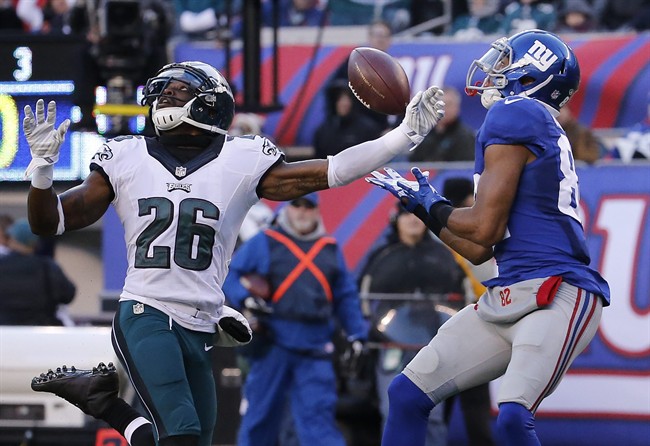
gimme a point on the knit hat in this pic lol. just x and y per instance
(456, 189)
(311, 197)
(22, 233)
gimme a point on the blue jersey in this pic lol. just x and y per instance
(544, 235)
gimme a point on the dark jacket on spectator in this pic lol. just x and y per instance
(32, 287)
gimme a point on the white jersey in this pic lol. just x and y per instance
(181, 221)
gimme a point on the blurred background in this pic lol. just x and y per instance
(286, 61)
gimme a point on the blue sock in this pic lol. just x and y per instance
(408, 414)
(516, 425)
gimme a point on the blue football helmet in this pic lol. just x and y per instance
(532, 63)
(212, 108)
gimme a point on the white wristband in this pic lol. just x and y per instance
(60, 228)
(360, 160)
(42, 177)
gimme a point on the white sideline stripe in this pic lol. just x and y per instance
(626, 395)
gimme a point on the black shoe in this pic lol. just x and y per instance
(92, 391)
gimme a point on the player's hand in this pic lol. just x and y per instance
(424, 111)
(232, 329)
(257, 305)
(425, 194)
(353, 357)
(390, 182)
(43, 139)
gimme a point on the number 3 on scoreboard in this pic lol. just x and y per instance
(23, 57)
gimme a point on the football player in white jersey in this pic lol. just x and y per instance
(544, 306)
(181, 197)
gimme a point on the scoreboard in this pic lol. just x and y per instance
(34, 67)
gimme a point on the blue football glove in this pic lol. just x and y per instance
(424, 193)
(391, 184)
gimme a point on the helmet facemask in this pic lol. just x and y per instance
(532, 63)
(211, 108)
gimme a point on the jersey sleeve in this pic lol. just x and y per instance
(269, 156)
(251, 156)
(110, 160)
(515, 121)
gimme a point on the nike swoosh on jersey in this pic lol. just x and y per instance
(207, 347)
(512, 100)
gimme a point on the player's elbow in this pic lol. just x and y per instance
(481, 256)
(488, 234)
(42, 228)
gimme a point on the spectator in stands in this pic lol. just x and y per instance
(31, 14)
(380, 36)
(363, 12)
(294, 12)
(585, 145)
(56, 17)
(628, 15)
(425, 10)
(9, 20)
(409, 263)
(482, 19)
(451, 139)
(6, 221)
(344, 124)
(246, 124)
(635, 144)
(576, 16)
(33, 286)
(199, 19)
(521, 15)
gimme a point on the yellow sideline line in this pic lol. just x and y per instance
(120, 110)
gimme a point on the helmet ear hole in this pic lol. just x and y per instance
(526, 80)
(220, 112)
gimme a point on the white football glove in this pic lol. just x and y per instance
(232, 329)
(44, 141)
(423, 113)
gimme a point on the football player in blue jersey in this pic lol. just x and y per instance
(544, 306)
(182, 197)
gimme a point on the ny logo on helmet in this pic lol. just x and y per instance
(540, 56)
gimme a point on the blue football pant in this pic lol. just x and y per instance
(310, 385)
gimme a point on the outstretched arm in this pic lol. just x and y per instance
(469, 231)
(485, 222)
(290, 180)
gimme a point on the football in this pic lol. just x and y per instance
(257, 285)
(378, 80)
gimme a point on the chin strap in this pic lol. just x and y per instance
(490, 97)
(171, 117)
(210, 128)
